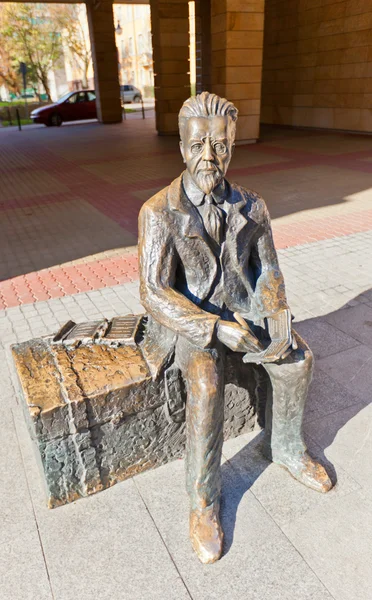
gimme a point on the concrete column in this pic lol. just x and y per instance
(236, 57)
(170, 40)
(105, 60)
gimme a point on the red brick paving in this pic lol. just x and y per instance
(63, 281)
(305, 232)
(106, 169)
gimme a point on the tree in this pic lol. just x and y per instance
(73, 23)
(9, 74)
(29, 32)
(8, 71)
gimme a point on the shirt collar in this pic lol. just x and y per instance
(196, 195)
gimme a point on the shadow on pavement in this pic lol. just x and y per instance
(72, 192)
(241, 471)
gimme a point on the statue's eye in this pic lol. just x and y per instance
(220, 148)
(196, 148)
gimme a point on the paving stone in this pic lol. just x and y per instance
(352, 303)
(134, 288)
(345, 437)
(113, 533)
(18, 318)
(6, 327)
(368, 295)
(327, 396)
(281, 495)
(335, 541)
(22, 569)
(351, 368)
(8, 339)
(334, 272)
(324, 339)
(96, 314)
(357, 322)
(133, 304)
(258, 559)
(364, 299)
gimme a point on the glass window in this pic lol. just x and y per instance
(72, 99)
(64, 97)
(91, 96)
(140, 43)
(81, 97)
(149, 41)
(131, 46)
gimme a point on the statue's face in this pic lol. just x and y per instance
(206, 146)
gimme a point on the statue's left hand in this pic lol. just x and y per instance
(282, 342)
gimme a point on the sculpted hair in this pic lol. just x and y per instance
(207, 105)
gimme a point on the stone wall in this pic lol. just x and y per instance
(317, 67)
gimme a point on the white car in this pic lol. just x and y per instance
(129, 93)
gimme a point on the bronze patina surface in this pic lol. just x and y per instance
(98, 417)
(212, 286)
(216, 351)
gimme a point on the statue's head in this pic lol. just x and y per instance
(207, 125)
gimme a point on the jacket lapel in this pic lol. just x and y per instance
(236, 221)
(239, 230)
(188, 215)
(238, 224)
(192, 226)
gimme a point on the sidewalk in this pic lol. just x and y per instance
(70, 198)
(75, 215)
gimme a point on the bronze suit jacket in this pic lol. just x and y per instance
(172, 240)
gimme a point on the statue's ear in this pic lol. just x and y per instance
(182, 151)
(232, 149)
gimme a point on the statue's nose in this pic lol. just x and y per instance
(207, 152)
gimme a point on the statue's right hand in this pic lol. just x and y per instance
(236, 338)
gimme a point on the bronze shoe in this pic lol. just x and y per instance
(308, 471)
(206, 534)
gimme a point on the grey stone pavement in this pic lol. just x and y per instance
(283, 541)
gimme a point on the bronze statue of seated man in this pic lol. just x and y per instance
(211, 283)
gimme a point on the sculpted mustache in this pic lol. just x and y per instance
(211, 168)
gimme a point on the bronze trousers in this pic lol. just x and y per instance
(203, 372)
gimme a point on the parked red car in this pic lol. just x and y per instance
(73, 106)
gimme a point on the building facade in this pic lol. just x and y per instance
(133, 40)
(290, 62)
(134, 43)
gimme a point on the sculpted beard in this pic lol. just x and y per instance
(208, 180)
